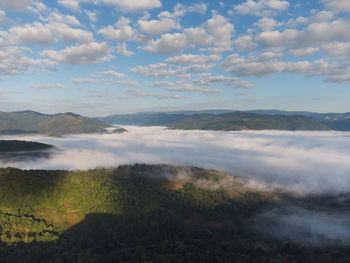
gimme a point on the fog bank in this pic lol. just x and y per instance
(303, 162)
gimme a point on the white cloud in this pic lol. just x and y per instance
(180, 10)
(113, 74)
(91, 15)
(157, 27)
(167, 44)
(63, 19)
(133, 6)
(159, 70)
(245, 43)
(47, 86)
(304, 52)
(191, 88)
(220, 28)
(129, 82)
(46, 34)
(339, 50)
(121, 32)
(13, 61)
(163, 84)
(193, 59)
(87, 80)
(337, 5)
(209, 80)
(262, 7)
(16, 5)
(296, 161)
(267, 23)
(313, 34)
(198, 36)
(85, 54)
(4, 20)
(74, 5)
(219, 34)
(277, 38)
(122, 49)
(198, 67)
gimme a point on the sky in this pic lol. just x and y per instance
(101, 57)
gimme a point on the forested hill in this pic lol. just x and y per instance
(15, 146)
(236, 121)
(218, 120)
(58, 124)
(148, 213)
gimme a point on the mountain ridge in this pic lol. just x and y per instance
(22, 122)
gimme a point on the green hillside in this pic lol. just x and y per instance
(135, 214)
(236, 121)
(223, 120)
(15, 145)
(34, 122)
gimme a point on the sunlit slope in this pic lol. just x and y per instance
(139, 213)
(34, 122)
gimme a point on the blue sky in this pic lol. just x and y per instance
(99, 57)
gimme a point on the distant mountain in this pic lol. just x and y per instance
(236, 121)
(154, 118)
(144, 119)
(58, 124)
(263, 119)
(336, 121)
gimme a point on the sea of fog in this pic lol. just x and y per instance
(301, 161)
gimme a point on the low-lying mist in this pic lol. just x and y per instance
(303, 162)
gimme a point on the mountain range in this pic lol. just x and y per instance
(24, 122)
(58, 124)
(236, 120)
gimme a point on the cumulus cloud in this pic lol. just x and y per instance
(193, 59)
(123, 50)
(46, 34)
(180, 10)
(159, 70)
(121, 32)
(337, 5)
(267, 23)
(4, 20)
(157, 27)
(303, 162)
(135, 5)
(47, 86)
(207, 81)
(167, 44)
(262, 7)
(16, 5)
(13, 61)
(113, 74)
(87, 80)
(85, 54)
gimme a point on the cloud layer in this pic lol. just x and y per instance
(303, 162)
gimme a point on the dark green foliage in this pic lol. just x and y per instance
(34, 122)
(225, 121)
(15, 145)
(135, 214)
(236, 121)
